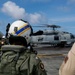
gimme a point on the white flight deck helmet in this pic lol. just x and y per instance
(21, 28)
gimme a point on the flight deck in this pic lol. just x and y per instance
(52, 57)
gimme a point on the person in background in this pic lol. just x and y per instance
(3, 41)
(68, 65)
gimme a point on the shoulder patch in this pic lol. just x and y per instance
(41, 65)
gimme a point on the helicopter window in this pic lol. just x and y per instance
(38, 33)
(72, 37)
(56, 38)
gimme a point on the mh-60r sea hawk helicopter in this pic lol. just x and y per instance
(52, 37)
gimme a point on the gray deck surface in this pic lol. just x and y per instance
(52, 58)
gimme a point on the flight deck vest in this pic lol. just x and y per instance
(10, 56)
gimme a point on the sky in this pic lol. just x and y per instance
(38, 12)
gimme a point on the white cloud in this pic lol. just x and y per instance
(10, 8)
(36, 18)
(13, 10)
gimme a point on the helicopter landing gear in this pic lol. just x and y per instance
(62, 44)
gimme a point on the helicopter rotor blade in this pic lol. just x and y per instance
(38, 26)
(49, 26)
(52, 26)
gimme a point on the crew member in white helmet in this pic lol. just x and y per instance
(16, 58)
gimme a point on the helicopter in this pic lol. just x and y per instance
(52, 37)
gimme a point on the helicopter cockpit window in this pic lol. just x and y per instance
(72, 36)
(56, 37)
(38, 33)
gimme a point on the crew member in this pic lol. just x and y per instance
(68, 65)
(16, 59)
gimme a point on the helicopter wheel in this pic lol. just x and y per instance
(61, 45)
